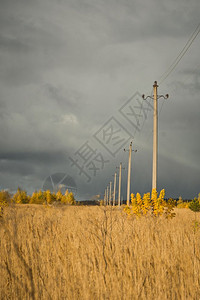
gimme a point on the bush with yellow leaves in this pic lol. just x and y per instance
(151, 205)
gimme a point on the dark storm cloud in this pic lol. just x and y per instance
(131, 21)
(177, 177)
(27, 163)
(68, 66)
(16, 168)
(29, 169)
(33, 157)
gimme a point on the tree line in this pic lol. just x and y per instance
(38, 197)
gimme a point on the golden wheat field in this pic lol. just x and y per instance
(77, 252)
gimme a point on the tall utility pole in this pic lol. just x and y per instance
(155, 137)
(110, 195)
(155, 132)
(129, 173)
(114, 188)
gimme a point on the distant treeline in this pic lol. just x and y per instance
(38, 197)
(89, 202)
(48, 197)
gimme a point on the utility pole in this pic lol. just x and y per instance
(120, 183)
(105, 201)
(155, 137)
(155, 132)
(129, 173)
(114, 188)
(110, 198)
(107, 196)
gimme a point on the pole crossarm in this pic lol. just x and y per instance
(125, 150)
(158, 97)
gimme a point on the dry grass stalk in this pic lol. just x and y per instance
(96, 253)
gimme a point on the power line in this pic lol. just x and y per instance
(179, 57)
(181, 54)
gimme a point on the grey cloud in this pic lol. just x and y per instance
(16, 168)
(33, 157)
(12, 44)
(64, 97)
(68, 66)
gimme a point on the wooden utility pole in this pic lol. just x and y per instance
(120, 182)
(107, 196)
(129, 174)
(110, 195)
(114, 188)
(155, 132)
(155, 137)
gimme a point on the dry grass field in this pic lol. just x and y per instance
(77, 252)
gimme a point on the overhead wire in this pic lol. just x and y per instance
(181, 54)
(174, 64)
(178, 58)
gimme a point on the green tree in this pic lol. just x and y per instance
(194, 206)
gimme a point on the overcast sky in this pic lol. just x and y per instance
(71, 70)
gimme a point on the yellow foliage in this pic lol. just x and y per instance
(155, 205)
(37, 197)
(49, 197)
(146, 203)
(139, 204)
(134, 209)
(183, 205)
(161, 203)
(21, 197)
(59, 196)
(68, 198)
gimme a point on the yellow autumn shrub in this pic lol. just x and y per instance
(150, 205)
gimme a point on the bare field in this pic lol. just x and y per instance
(97, 253)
